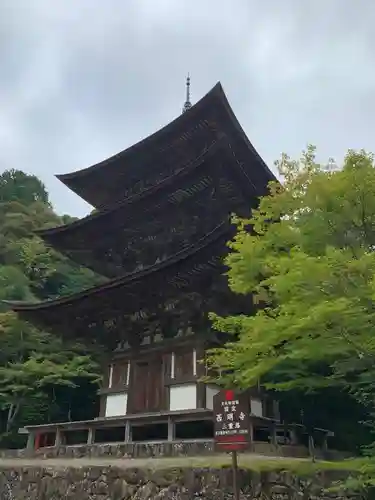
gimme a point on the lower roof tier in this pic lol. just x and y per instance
(117, 311)
(152, 160)
(148, 229)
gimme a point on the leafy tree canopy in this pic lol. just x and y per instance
(306, 257)
(309, 264)
(16, 185)
(40, 376)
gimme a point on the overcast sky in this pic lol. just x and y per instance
(81, 80)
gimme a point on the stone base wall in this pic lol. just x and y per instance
(109, 483)
(157, 449)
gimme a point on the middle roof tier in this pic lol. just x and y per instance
(149, 227)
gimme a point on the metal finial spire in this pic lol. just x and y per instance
(187, 104)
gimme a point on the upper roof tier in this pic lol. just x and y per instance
(109, 313)
(151, 226)
(164, 153)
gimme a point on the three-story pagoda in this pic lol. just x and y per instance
(159, 234)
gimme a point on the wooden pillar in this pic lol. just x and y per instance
(276, 410)
(38, 440)
(325, 442)
(30, 441)
(273, 434)
(103, 403)
(128, 432)
(201, 395)
(167, 397)
(58, 437)
(199, 372)
(251, 435)
(91, 436)
(171, 429)
(293, 436)
(132, 386)
(311, 447)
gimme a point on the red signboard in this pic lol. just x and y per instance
(231, 421)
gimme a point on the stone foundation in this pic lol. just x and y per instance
(157, 449)
(110, 483)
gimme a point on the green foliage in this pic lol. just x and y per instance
(38, 373)
(35, 364)
(16, 185)
(309, 265)
(14, 285)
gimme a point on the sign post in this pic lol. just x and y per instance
(236, 492)
(232, 427)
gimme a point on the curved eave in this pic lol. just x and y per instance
(223, 230)
(155, 138)
(242, 133)
(85, 182)
(132, 200)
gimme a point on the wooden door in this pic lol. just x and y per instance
(139, 387)
(148, 386)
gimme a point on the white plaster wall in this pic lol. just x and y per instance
(183, 397)
(116, 404)
(211, 391)
(256, 407)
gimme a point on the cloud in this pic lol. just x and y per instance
(80, 81)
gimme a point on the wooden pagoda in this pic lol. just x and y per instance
(159, 234)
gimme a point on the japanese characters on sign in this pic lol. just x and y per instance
(231, 420)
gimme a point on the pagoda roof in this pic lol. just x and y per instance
(161, 154)
(163, 219)
(105, 313)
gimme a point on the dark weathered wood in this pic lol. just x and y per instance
(156, 386)
(187, 379)
(58, 437)
(201, 372)
(160, 235)
(171, 429)
(102, 405)
(112, 390)
(119, 374)
(30, 441)
(107, 423)
(90, 435)
(142, 231)
(231, 420)
(164, 346)
(147, 390)
(109, 313)
(183, 364)
(152, 160)
(236, 490)
(201, 395)
(128, 432)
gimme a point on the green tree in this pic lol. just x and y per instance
(31, 363)
(42, 379)
(16, 185)
(306, 257)
(14, 285)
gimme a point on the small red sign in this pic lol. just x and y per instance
(231, 421)
(229, 395)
